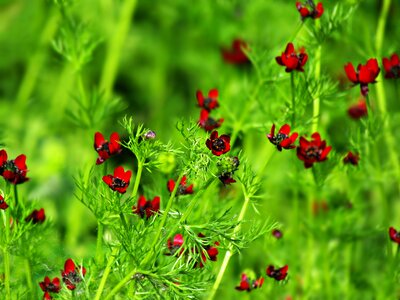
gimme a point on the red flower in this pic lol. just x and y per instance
(212, 252)
(312, 151)
(282, 139)
(120, 181)
(365, 74)
(246, 285)
(72, 274)
(47, 296)
(3, 204)
(358, 110)
(351, 158)
(175, 244)
(50, 286)
(208, 123)
(392, 66)
(37, 216)
(147, 208)
(394, 235)
(106, 148)
(291, 60)
(218, 145)
(209, 103)
(14, 171)
(236, 55)
(278, 274)
(316, 10)
(183, 189)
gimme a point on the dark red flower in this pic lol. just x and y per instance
(358, 110)
(120, 181)
(236, 55)
(227, 167)
(291, 60)
(72, 275)
(47, 296)
(37, 216)
(351, 158)
(212, 252)
(277, 274)
(14, 171)
(226, 178)
(392, 66)
(394, 235)
(3, 204)
(52, 286)
(365, 74)
(312, 151)
(218, 145)
(175, 244)
(209, 103)
(282, 139)
(246, 285)
(183, 189)
(147, 208)
(208, 123)
(309, 9)
(106, 148)
(277, 233)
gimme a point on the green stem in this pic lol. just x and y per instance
(6, 217)
(316, 102)
(16, 197)
(150, 254)
(106, 273)
(28, 273)
(115, 45)
(123, 221)
(99, 244)
(121, 284)
(137, 179)
(293, 90)
(380, 30)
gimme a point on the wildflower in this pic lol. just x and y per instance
(183, 189)
(72, 274)
(315, 12)
(312, 151)
(212, 252)
(394, 235)
(147, 208)
(14, 171)
(228, 166)
(106, 148)
(209, 103)
(278, 274)
(358, 110)
(282, 139)
(392, 66)
(236, 55)
(277, 233)
(120, 181)
(175, 244)
(351, 158)
(218, 145)
(208, 123)
(246, 285)
(3, 204)
(37, 216)
(365, 74)
(52, 286)
(291, 60)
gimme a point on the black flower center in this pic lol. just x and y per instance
(104, 147)
(118, 183)
(219, 144)
(313, 152)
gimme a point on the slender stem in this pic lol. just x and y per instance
(293, 90)
(137, 179)
(28, 273)
(121, 284)
(6, 217)
(150, 254)
(115, 45)
(380, 30)
(316, 102)
(99, 244)
(106, 273)
(123, 221)
(16, 196)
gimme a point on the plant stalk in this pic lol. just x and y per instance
(317, 101)
(99, 244)
(293, 90)
(106, 273)
(7, 272)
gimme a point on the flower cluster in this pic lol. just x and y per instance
(13, 170)
(310, 10)
(147, 208)
(291, 59)
(207, 104)
(71, 276)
